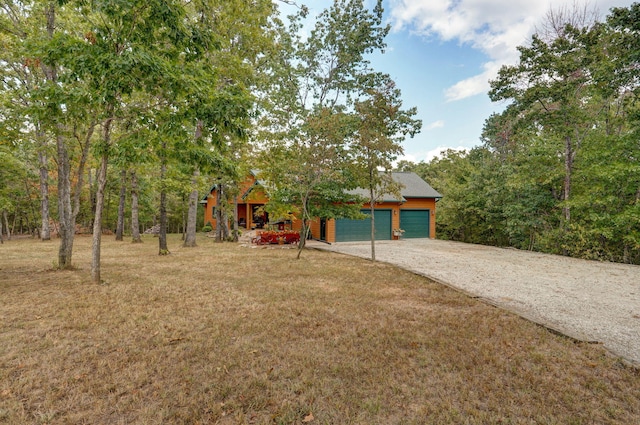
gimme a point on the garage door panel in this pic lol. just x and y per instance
(415, 223)
(360, 230)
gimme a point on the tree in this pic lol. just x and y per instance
(21, 74)
(121, 205)
(128, 49)
(310, 177)
(135, 214)
(550, 85)
(309, 120)
(59, 110)
(12, 176)
(382, 127)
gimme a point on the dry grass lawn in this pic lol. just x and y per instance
(231, 335)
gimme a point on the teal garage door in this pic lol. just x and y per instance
(415, 223)
(360, 230)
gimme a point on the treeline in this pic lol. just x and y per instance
(111, 108)
(118, 115)
(558, 171)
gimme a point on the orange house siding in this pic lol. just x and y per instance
(409, 204)
(421, 204)
(254, 195)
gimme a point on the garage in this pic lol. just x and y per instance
(415, 223)
(360, 230)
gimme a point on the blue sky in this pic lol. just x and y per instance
(442, 53)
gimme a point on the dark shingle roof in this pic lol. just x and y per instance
(413, 187)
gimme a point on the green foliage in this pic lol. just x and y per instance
(559, 168)
(382, 126)
(326, 110)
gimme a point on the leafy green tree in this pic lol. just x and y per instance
(549, 86)
(12, 177)
(382, 127)
(309, 120)
(48, 103)
(20, 74)
(126, 50)
(565, 143)
(308, 177)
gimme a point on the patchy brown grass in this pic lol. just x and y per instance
(230, 335)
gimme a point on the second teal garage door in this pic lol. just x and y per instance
(360, 230)
(415, 223)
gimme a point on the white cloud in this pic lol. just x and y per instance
(495, 27)
(435, 124)
(472, 86)
(427, 156)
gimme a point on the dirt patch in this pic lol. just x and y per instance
(586, 300)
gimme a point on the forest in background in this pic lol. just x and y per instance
(558, 171)
(121, 115)
(117, 115)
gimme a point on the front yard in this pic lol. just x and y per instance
(226, 334)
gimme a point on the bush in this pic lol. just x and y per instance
(273, 237)
(207, 228)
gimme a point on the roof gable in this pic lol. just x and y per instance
(412, 187)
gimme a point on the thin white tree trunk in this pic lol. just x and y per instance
(45, 230)
(97, 222)
(190, 237)
(6, 224)
(163, 248)
(372, 206)
(135, 220)
(123, 194)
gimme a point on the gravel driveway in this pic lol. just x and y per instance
(586, 300)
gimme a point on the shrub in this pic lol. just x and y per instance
(273, 237)
(207, 228)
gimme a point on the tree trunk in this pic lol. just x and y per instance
(219, 212)
(225, 223)
(45, 230)
(65, 217)
(568, 169)
(5, 216)
(372, 206)
(81, 166)
(1, 238)
(236, 229)
(92, 196)
(163, 248)
(303, 238)
(305, 229)
(10, 230)
(190, 238)
(123, 194)
(135, 220)
(97, 221)
(162, 235)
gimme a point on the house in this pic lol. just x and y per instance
(414, 212)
